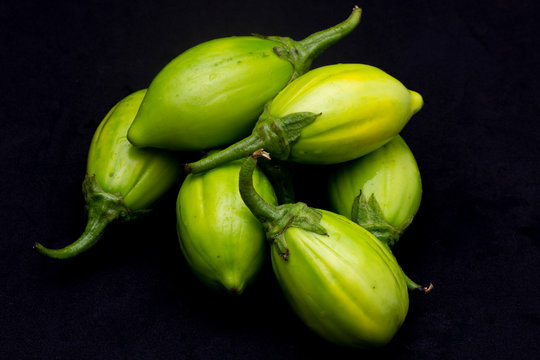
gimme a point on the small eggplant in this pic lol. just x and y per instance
(340, 280)
(381, 192)
(330, 115)
(384, 185)
(212, 94)
(121, 180)
(222, 241)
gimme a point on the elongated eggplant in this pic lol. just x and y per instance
(222, 241)
(212, 94)
(121, 181)
(384, 185)
(341, 281)
(329, 115)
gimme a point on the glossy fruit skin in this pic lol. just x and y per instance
(361, 108)
(140, 176)
(222, 241)
(390, 173)
(122, 182)
(346, 286)
(210, 95)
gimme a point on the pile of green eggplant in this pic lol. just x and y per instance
(255, 107)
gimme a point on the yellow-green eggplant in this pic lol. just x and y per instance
(122, 181)
(342, 282)
(222, 241)
(330, 115)
(212, 94)
(381, 192)
(385, 188)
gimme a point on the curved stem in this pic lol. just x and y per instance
(103, 208)
(316, 43)
(302, 53)
(411, 285)
(274, 133)
(236, 151)
(98, 219)
(262, 210)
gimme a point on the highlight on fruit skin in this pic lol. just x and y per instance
(212, 94)
(329, 115)
(386, 181)
(122, 181)
(223, 243)
(341, 281)
(381, 192)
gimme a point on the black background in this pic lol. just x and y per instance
(64, 65)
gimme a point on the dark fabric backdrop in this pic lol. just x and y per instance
(64, 65)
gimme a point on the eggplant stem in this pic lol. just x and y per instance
(262, 210)
(236, 151)
(103, 208)
(411, 285)
(93, 232)
(316, 43)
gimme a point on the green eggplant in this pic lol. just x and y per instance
(341, 281)
(122, 181)
(330, 115)
(222, 241)
(384, 185)
(212, 94)
(381, 192)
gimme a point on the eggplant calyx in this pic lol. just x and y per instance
(276, 134)
(368, 214)
(302, 53)
(103, 208)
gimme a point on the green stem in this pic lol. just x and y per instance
(316, 43)
(280, 175)
(103, 208)
(302, 53)
(411, 285)
(276, 219)
(98, 219)
(234, 152)
(262, 210)
(276, 134)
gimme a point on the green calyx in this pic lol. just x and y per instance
(368, 214)
(302, 53)
(102, 208)
(276, 219)
(276, 134)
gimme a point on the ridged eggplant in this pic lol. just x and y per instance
(341, 281)
(122, 181)
(381, 192)
(385, 183)
(212, 94)
(222, 241)
(330, 115)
